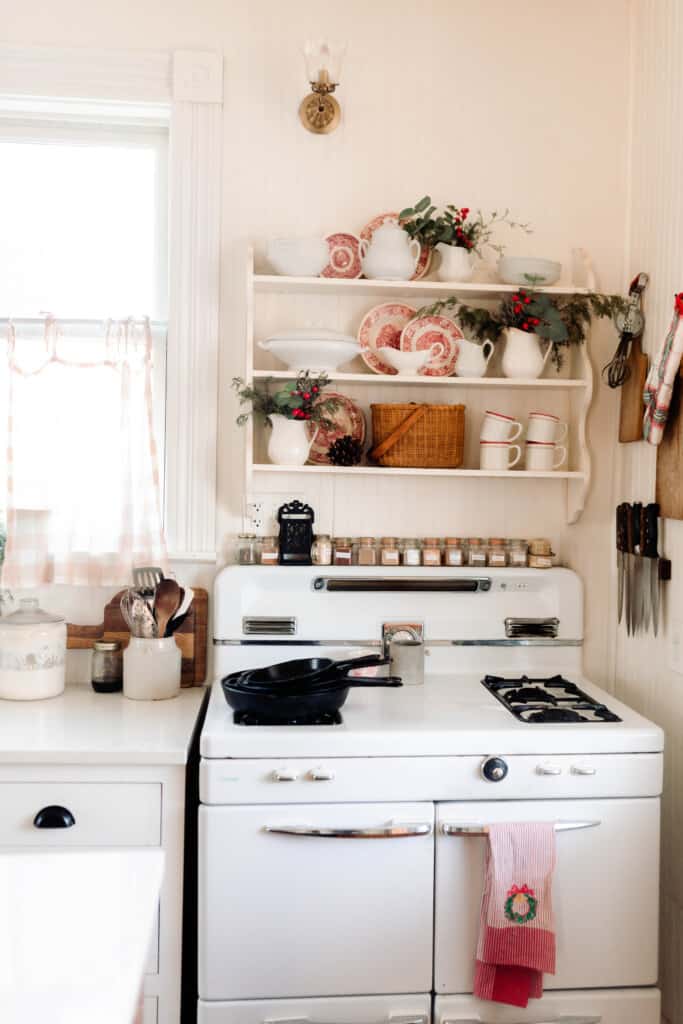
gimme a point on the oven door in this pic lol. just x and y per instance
(333, 899)
(619, 1006)
(605, 890)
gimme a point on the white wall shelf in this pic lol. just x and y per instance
(499, 474)
(425, 289)
(380, 379)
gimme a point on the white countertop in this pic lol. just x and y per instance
(84, 727)
(74, 934)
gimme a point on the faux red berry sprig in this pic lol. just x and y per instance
(521, 301)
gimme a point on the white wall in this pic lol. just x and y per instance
(641, 670)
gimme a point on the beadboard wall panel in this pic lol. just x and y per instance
(641, 666)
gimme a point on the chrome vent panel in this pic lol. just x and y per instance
(259, 625)
(528, 629)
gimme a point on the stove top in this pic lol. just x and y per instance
(547, 700)
(328, 718)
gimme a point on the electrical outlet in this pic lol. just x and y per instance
(260, 511)
(254, 514)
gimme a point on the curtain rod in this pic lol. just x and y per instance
(39, 320)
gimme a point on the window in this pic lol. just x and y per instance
(84, 237)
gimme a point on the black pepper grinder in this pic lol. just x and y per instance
(296, 533)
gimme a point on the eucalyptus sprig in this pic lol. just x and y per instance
(300, 399)
(456, 226)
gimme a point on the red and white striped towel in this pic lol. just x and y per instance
(516, 932)
(660, 381)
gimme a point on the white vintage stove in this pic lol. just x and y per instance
(302, 918)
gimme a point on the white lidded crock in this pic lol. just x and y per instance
(32, 653)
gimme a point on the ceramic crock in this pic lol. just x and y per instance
(32, 653)
(455, 263)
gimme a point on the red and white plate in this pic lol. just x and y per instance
(381, 328)
(439, 333)
(425, 257)
(344, 256)
(348, 418)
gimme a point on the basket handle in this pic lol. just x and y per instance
(388, 443)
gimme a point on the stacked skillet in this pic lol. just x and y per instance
(305, 688)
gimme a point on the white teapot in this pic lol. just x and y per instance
(472, 358)
(390, 254)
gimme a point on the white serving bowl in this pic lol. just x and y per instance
(517, 269)
(298, 257)
(311, 353)
(405, 362)
(310, 334)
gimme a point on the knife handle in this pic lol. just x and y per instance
(649, 540)
(628, 511)
(621, 527)
(637, 538)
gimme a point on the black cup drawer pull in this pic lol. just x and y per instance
(54, 816)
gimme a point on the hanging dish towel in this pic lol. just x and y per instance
(661, 377)
(516, 932)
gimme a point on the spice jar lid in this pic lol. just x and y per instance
(475, 542)
(29, 613)
(517, 542)
(540, 546)
(453, 542)
(411, 541)
(106, 645)
(367, 541)
(246, 536)
(386, 541)
(342, 540)
(497, 542)
(319, 536)
(432, 541)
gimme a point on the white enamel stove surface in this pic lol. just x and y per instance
(321, 848)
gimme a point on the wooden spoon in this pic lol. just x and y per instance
(166, 603)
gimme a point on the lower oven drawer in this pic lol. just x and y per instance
(411, 1009)
(618, 1006)
(605, 890)
(333, 899)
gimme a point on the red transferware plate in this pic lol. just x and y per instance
(344, 256)
(381, 328)
(436, 332)
(348, 418)
(425, 257)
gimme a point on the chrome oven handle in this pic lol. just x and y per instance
(450, 829)
(391, 831)
(419, 1018)
(553, 1020)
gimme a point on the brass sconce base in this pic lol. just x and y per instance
(319, 113)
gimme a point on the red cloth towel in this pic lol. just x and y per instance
(516, 932)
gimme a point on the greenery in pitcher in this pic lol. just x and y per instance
(455, 225)
(299, 399)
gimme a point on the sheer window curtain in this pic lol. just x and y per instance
(83, 486)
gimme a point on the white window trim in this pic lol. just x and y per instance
(192, 83)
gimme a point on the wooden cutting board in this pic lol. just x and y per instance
(631, 412)
(191, 638)
(669, 488)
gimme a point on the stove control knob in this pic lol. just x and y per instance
(284, 775)
(494, 769)
(321, 775)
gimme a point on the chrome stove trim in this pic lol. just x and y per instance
(479, 831)
(401, 584)
(281, 642)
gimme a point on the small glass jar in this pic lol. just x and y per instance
(476, 552)
(321, 549)
(431, 551)
(540, 554)
(343, 551)
(497, 555)
(270, 551)
(367, 551)
(454, 553)
(106, 672)
(389, 551)
(411, 551)
(247, 549)
(517, 553)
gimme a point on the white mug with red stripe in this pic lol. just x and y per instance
(496, 455)
(544, 455)
(544, 428)
(498, 427)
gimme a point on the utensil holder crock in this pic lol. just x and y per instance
(151, 668)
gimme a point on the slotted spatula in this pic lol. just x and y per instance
(146, 579)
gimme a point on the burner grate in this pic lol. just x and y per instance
(329, 718)
(543, 701)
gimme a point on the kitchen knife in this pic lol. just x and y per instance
(621, 558)
(650, 545)
(637, 593)
(645, 562)
(628, 582)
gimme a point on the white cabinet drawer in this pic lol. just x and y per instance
(411, 1009)
(102, 814)
(609, 1006)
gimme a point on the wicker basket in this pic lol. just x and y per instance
(418, 436)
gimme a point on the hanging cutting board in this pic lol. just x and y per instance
(631, 412)
(669, 489)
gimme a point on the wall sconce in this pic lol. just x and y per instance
(319, 112)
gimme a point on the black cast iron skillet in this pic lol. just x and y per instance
(292, 701)
(309, 669)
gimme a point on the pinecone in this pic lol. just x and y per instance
(345, 451)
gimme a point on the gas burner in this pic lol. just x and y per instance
(244, 718)
(544, 701)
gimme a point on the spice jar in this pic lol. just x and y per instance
(540, 554)
(497, 555)
(476, 553)
(454, 553)
(431, 551)
(411, 551)
(343, 551)
(321, 549)
(246, 548)
(270, 551)
(389, 551)
(517, 553)
(367, 551)
(106, 672)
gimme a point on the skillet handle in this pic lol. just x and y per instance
(372, 681)
(365, 661)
